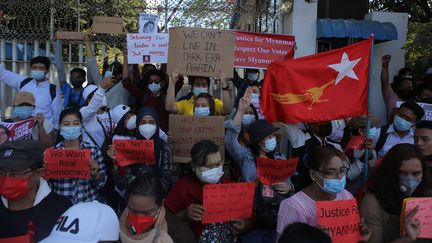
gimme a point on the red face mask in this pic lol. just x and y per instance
(13, 188)
(141, 223)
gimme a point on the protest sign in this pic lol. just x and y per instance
(67, 163)
(423, 215)
(20, 130)
(148, 23)
(257, 50)
(356, 142)
(69, 35)
(188, 130)
(107, 25)
(18, 239)
(147, 48)
(341, 218)
(426, 107)
(224, 202)
(271, 171)
(201, 52)
(134, 151)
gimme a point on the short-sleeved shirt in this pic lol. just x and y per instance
(301, 208)
(186, 107)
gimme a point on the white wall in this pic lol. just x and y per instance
(394, 48)
(301, 22)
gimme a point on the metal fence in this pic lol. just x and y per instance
(27, 26)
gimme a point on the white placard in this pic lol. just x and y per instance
(147, 48)
(148, 23)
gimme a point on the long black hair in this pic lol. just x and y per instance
(67, 112)
(121, 128)
(146, 185)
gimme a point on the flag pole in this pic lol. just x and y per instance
(368, 124)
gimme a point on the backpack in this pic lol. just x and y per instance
(52, 87)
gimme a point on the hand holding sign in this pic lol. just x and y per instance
(195, 212)
(417, 213)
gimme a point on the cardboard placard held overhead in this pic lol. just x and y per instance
(201, 52)
(107, 25)
(147, 48)
(69, 35)
(188, 130)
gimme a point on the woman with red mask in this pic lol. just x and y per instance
(145, 218)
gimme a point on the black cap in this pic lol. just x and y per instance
(259, 130)
(21, 154)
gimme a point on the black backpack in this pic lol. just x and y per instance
(52, 87)
(382, 138)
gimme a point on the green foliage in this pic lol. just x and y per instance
(418, 10)
(419, 46)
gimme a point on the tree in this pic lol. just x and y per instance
(418, 10)
(419, 47)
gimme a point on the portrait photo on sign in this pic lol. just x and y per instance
(148, 23)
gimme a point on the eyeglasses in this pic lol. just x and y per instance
(334, 174)
(14, 173)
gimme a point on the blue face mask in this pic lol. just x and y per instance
(401, 124)
(154, 87)
(107, 74)
(198, 91)
(70, 133)
(202, 111)
(23, 112)
(247, 119)
(270, 145)
(372, 133)
(37, 74)
(252, 76)
(332, 186)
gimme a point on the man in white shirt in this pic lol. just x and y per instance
(47, 95)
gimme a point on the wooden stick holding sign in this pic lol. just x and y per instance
(67, 163)
(272, 171)
(128, 152)
(341, 218)
(224, 202)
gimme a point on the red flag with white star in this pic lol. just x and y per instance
(326, 86)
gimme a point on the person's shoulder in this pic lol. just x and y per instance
(295, 200)
(345, 195)
(55, 200)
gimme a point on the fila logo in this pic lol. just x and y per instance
(65, 226)
(8, 153)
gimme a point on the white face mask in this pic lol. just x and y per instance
(131, 123)
(147, 130)
(211, 176)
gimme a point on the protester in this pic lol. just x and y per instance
(116, 94)
(145, 218)
(204, 105)
(47, 95)
(148, 129)
(328, 175)
(401, 130)
(186, 197)
(25, 126)
(4, 134)
(73, 92)
(27, 202)
(251, 79)
(423, 141)
(400, 90)
(423, 93)
(198, 85)
(89, 222)
(303, 233)
(402, 174)
(79, 190)
(126, 123)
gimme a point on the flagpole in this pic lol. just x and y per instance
(368, 124)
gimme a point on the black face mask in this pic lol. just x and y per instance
(325, 130)
(406, 94)
(77, 83)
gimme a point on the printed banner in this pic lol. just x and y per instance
(224, 202)
(148, 23)
(341, 218)
(257, 50)
(134, 151)
(423, 215)
(201, 52)
(147, 48)
(188, 130)
(67, 163)
(271, 171)
(20, 130)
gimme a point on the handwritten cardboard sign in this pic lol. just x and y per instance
(148, 23)
(201, 52)
(69, 35)
(424, 214)
(271, 171)
(224, 202)
(67, 163)
(147, 48)
(256, 50)
(134, 151)
(188, 130)
(356, 142)
(341, 218)
(107, 25)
